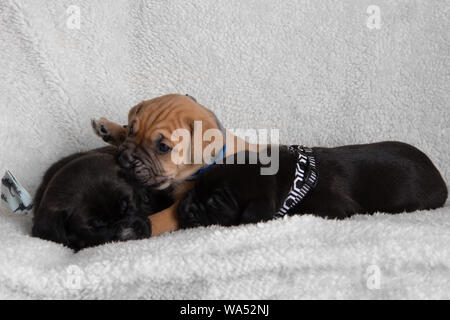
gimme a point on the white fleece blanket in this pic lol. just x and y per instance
(313, 69)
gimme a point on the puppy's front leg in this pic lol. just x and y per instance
(165, 220)
(111, 132)
(209, 207)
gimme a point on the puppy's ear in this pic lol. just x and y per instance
(51, 226)
(111, 132)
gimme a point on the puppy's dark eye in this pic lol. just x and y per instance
(163, 148)
(131, 130)
(98, 224)
(144, 197)
(124, 206)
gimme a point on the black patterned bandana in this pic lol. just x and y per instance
(305, 179)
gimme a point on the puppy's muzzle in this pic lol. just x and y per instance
(125, 158)
(133, 228)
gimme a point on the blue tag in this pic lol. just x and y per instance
(14, 195)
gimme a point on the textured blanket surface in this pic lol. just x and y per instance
(318, 71)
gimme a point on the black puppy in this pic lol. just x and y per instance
(390, 177)
(84, 201)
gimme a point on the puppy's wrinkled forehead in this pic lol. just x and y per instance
(164, 114)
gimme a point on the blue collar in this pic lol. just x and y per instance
(219, 157)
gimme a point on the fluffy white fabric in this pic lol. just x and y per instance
(313, 69)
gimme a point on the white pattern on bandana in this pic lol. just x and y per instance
(14, 195)
(305, 178)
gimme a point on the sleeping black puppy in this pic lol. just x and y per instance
(84, 201)
(390, 177)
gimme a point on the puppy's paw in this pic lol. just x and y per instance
(190, 211)
(211, 207)
(110, 132)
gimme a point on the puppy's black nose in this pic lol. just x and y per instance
(133, 228)
(125, 159)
